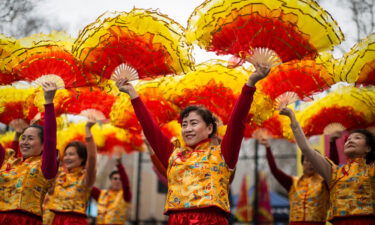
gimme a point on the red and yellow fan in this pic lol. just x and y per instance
(139, 44)
(163, 111)
(35, 105)
(297, 79)
(47, 60)
(345, 108)
(89, 101)
(212, 84)
(281, 29)
(358, 65)
(6, 139)
(13, 103)
(7, 46)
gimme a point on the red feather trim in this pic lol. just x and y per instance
(347, 116)
(43, 60)
(12, 110)
(302, 77)
(251, 31)
(212, 96)
(124, 46)
(88, 98)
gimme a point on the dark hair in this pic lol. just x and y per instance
(113, 173)
(370, 141)
(40, 131)
(81, 150)
(206, 115)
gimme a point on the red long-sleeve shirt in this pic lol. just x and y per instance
(230, 145)
(127, 195)
(284, 179)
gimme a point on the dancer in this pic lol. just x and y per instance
(114, 202)
(308, 194)
(352, 185)
(24, 181)
(76, 177)
(198, 171)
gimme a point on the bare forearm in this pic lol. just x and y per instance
(320, 164)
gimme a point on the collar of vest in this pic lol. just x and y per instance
(359, 160)
(202, 142)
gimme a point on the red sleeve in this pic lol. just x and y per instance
(49, 161)
(125, 183)
(333, 153)
(230, 146)
(95, 193)
(162, 178)
(285, 180)
(160, 143)
(2, 155)
(158, 165)
(16, 148)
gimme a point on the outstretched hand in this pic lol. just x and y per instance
(261, 72)
(49, 89)
(90, 122)
(124, 86)
(18, 125)
(287, 112)
(264, 142)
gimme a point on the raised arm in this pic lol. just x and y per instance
(160, 143)
(49, 161)
(160, 168)
(2, 155)
(127, 194)
(91, 154)
(230, 146)
(95, 193)
(321, 165)
(284, 179)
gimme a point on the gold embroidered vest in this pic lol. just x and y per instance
(352, 189)
(70, 193)
(22, 185)
(308, 199)
(197, 178)
(111, 207)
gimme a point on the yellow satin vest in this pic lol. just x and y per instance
(352, 189)
(111, 207)
(309, 199)
(197, 178)
(70, 193)
(22, 185)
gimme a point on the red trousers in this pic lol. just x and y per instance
(354, 220)
(19, 218)
(206, 216)
(69, 219)
(307, 223)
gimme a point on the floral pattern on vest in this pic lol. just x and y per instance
(309, 199)
(352, 189)
(111, 207)
(22, 185)
(197, 178)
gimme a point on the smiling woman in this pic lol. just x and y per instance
(199, 169)
(68, 199)
(352, 185)
(24, 183)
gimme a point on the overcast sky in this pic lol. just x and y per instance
(74, 15)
